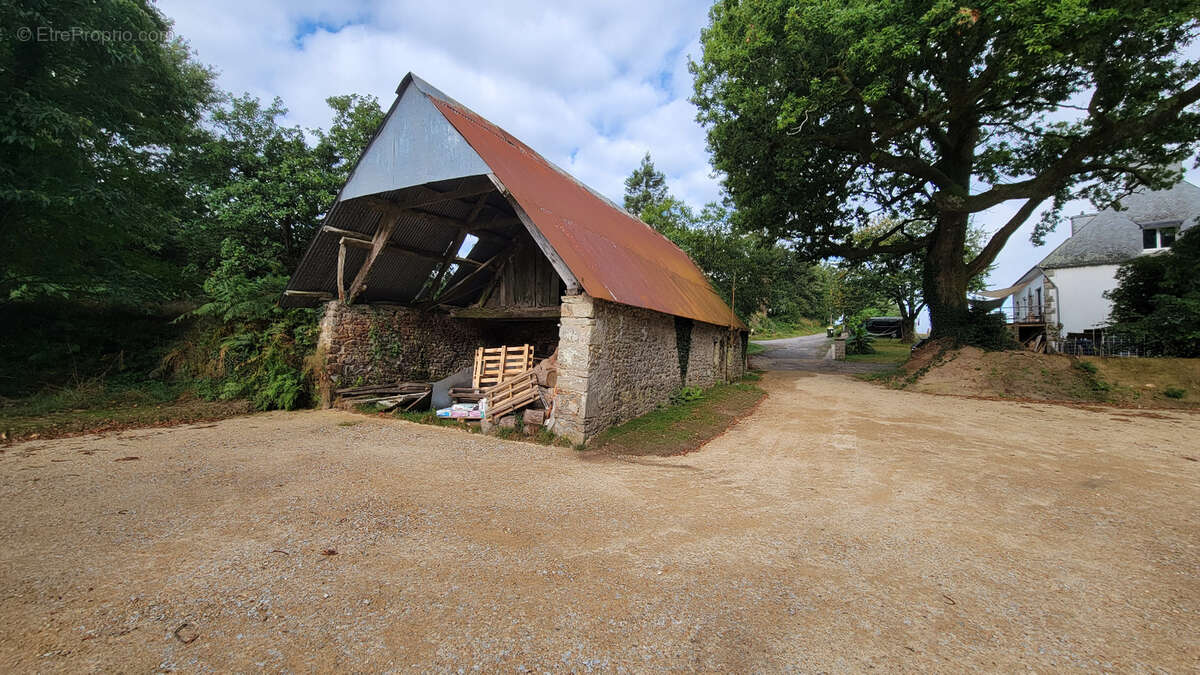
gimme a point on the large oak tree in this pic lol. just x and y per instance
(824, 114)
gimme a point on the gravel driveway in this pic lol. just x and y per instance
(841, 527)
(807, 352)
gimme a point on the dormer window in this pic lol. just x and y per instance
(1160, 236)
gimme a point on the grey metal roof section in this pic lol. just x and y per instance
(415, 145)
(1111, 237)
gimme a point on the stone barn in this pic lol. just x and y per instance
(451, 234)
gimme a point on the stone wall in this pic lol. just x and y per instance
(617, 362)
(376, 344)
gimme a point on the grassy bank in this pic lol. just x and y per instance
(1026, 376)
(780, 330)
(685, 425)
(97, 405)
(887, 350)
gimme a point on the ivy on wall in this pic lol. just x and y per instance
(683, 345)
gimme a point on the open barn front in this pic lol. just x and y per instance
(460, 270)
(417, 284)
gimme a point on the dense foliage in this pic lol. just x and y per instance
(825, 115)
(94, 140)
(760, 277)
(132, 193)
(1157, 299)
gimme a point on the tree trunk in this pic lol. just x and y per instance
(908, 329)
(945, 277)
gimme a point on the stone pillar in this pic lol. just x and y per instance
(320, 361)
(575, 330)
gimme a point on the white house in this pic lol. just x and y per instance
(1065, 291)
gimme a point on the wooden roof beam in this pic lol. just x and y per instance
(394, 210)
(360, 240)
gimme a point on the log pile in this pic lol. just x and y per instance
(402, 395)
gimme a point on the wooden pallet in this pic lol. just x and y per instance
(511, 395)
(496, 364)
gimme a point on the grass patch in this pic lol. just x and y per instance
(98, 405)
(887, 350)
(754, 348)
(1157, 382)
(780, 330)
(683, 426)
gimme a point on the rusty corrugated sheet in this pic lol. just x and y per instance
(614, 256)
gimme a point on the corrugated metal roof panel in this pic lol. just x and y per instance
(614, 256)
(396, 276)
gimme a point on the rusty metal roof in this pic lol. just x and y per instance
(614, 256)
(439, 147)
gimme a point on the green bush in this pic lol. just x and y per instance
(858, 339)
(1157, 299)
(249, 347)
(687, 394)
(1175, 392)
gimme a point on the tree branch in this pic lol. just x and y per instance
(996, 243)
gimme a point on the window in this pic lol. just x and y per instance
(1158, 237)
(1150, 238)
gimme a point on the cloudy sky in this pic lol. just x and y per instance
(592, 86)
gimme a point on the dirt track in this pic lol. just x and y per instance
(841, 527)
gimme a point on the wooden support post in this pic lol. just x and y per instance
(341, 271)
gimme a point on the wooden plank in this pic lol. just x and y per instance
(478, 368)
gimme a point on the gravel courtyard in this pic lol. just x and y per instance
(842, 526)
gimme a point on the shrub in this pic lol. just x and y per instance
(687, 394)
(247, 346)
(858, 338)
(1175, 392)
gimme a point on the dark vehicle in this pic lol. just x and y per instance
(884, 326)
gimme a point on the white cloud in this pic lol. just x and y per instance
(592, 86)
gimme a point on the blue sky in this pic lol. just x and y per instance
(592, 86)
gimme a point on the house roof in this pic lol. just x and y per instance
(1111, 237)
(612, 255)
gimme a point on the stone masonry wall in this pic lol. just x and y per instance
(617, 362)
(376, 344)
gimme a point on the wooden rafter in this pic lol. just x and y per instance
(453, 249)
(424, 196)
(394, 210)
(360, 240)
(449, 292)
(378, 243)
